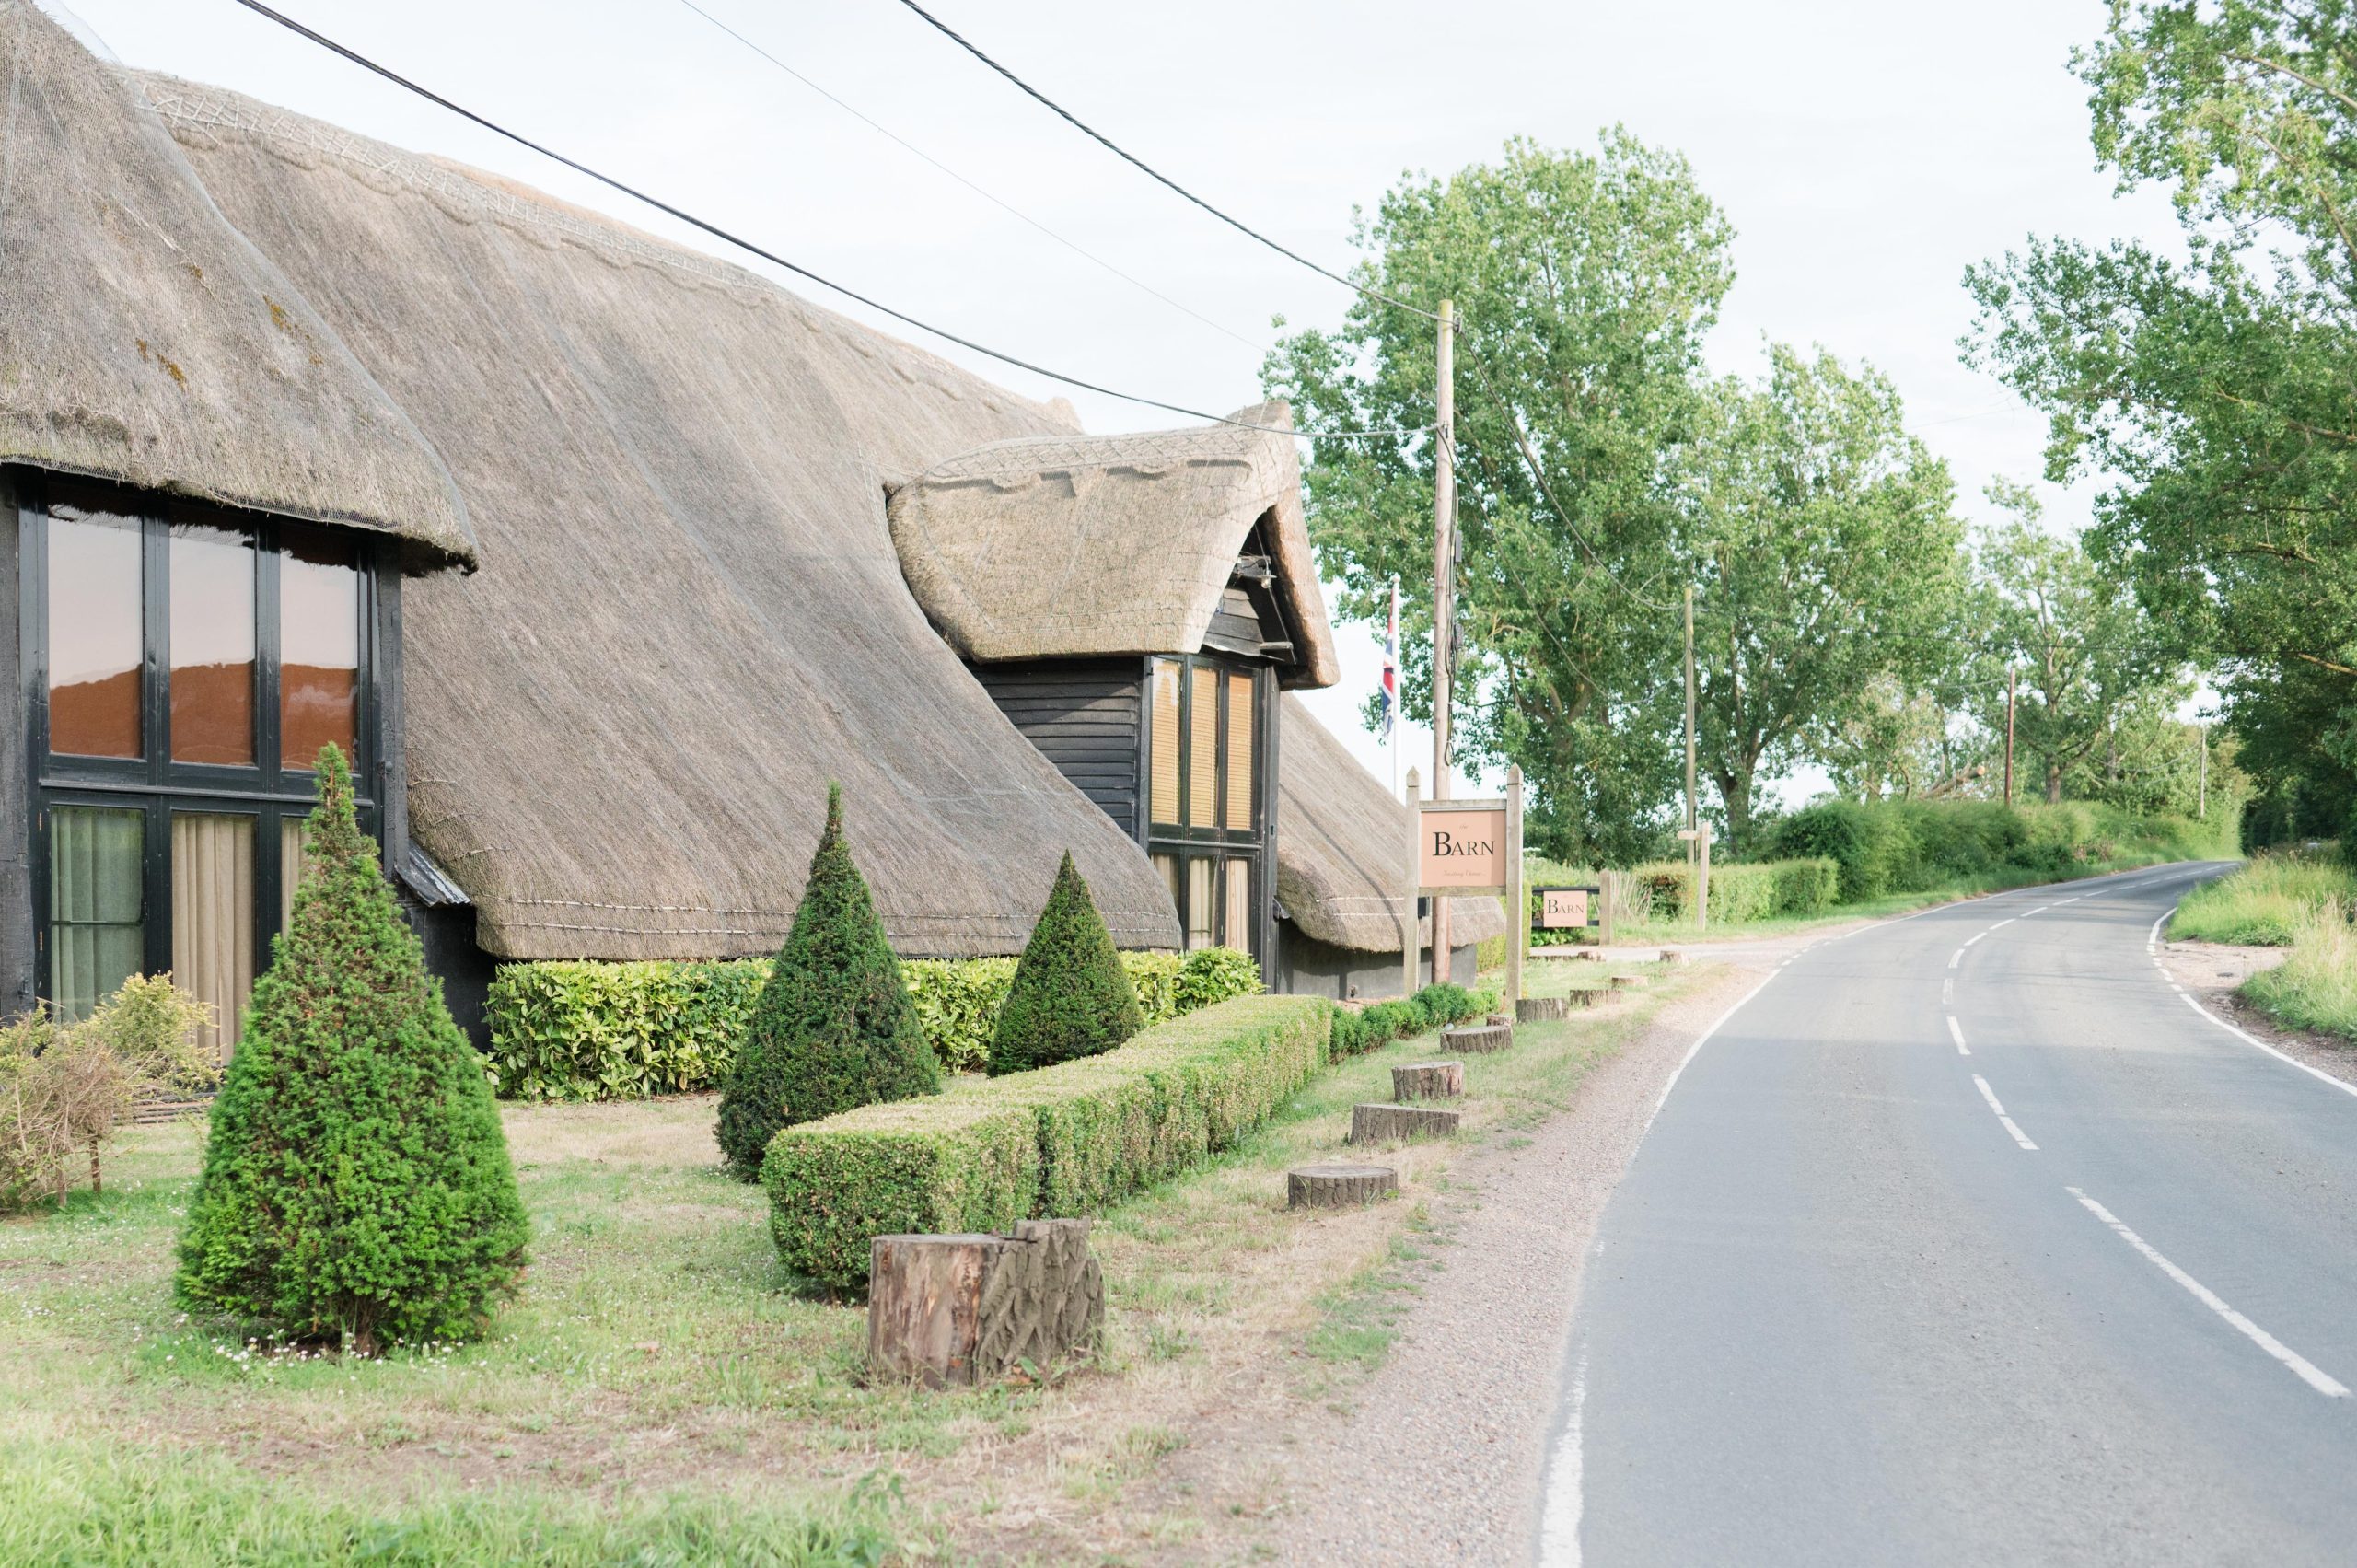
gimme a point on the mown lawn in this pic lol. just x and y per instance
(659, 1392)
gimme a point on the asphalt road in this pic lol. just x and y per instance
(2083, 1290)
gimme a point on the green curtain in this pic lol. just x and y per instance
(96, 915)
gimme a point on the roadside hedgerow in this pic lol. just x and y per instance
(355, 1184)
(1070, 997)
(834, 1027)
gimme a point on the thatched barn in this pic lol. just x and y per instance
(601, 558)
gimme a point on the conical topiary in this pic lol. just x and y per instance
(834, 1027)
(357, 1184)
(1070, 996)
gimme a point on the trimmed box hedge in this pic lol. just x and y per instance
(591, 1030)
(1095, 1130)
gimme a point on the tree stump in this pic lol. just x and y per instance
(1428, 1080)
(1672, 955)
(945, 1309)
(1339, 1186)
(1500, 1020)
(1478, 1038)
(1628, 983)
(1538, 1009)
(1378, 1124)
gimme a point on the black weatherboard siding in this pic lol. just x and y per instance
(1083, 715)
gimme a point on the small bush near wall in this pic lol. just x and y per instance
(1378, 1024)
(587, 1030)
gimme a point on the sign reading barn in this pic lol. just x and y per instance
(1464, 848)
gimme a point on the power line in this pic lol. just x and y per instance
(1066, 115)
(995, 200)
(750, 247)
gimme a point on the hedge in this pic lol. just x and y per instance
(1357, 1031)
(590, 1031)
(1066, 1141)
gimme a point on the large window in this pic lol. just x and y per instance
(188, 665)
(1206, 811)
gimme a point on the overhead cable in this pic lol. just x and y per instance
(750, 249)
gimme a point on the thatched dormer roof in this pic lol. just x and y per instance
(143, 339)
(1074, 545)
(1342, 848)
(690, 615)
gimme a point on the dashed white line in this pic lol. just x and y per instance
(1948, 992)
(1991, 1096)
(1956, 958)
(2041, 908)
(2307, 1370)
(1975, 937)
(2007, 921)
(1955, 1033)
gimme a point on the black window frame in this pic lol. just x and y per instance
(1221, 844)
(155, 783)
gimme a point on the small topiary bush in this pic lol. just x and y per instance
(834, 1027)
(355, 1183)
(1070, 997)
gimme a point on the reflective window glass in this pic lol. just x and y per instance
(211, 631)
(318, 650)
(96, 640)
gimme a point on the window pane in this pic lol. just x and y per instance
(1202, 749)
(97, 905)
(318, 650)
(1166, 741)
(1237, 816)
(1238, 929)
(94, 637)
(213, 918)
(294, 841)
(213, 646)
(1201, 904)
(1168, 865)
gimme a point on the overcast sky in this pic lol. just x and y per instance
(1864, 152)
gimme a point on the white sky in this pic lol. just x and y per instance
(1865, 152)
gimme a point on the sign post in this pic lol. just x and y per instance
(1701, 838)
(1415, 850)
(1471, 846)
(1517, 901)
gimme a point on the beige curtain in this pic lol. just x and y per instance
(1203, 746)
(1239, 754)
(213, 917)
(1165, 790)
(1237, 932)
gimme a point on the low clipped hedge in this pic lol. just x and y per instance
(590, 1031)
(1378, 1024)
(1064, 1141)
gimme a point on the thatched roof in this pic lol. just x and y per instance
(1111, 544)
(1342, 848)
(143, 340)
(690, 615)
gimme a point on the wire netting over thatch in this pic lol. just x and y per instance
(1342, 848)
(1067, 545)
(143, 339)
(690, 615)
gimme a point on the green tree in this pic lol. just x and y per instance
(2213, 391)
(355, 1182)
(1827, 557)
(2090, 659)
(1583, 284)
(1070, 996)
(834, 1027)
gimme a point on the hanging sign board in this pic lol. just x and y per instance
(1569, 909)
(1461, 847)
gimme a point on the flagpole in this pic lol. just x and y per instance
(1391, 685)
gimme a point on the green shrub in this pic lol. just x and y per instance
(1066, 1140)
(2315, 985)
(583, 1030)
(1070, 997)
(834, 1027)
(958, 1002)
(1359, 1031)
(1155, 977)
(1212, 974)
(355, 1180)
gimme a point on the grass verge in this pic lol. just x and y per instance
(2267, 904)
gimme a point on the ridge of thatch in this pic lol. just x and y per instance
(143, 340)
(1342, 848)
(690, 617)
(1072, 545)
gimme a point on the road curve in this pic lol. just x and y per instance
(1966, 1238)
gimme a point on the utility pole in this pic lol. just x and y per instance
(1689, 716)
(2201, 797)
(1443, 590)
(2009, 734)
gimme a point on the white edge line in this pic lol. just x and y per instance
(1559, 1530)
(1955, 1033)
(2307, 1370)
(2317, 1073)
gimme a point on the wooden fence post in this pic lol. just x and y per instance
(1518, 900)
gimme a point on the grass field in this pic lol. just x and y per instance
(658, 1394)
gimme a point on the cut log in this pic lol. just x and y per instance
(1672, 955)
(945, 1310)
(1537, 1009)
(1478, 1038)
(1500, 1020)
(1428, 1080)
(1339, 1186)
(1378, 1124)
(1628, 983)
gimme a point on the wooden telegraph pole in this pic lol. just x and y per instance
(2009, 734)
(1444, 592)
(1697, 856)
(1415, 875)
(2201, 797)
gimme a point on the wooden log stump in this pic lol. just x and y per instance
(1428, 1080)
(1500, 1021)
(1585, 996)
(1478, 1038)
(1539, 1009)
(945, 1310)
(1628, 983)
(1672, 955)
(1339, 1186)
(1377, 1123)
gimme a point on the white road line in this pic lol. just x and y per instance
(2007, 921)
(1974, 937)
(1948, 992)
(1955, 1033)
(2041, 908)
(2306, 1369)
(1991, 1096)
(2316, 1073)
(1956, 958)
(1559, 1529)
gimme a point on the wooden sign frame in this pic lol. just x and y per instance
(1509, 887)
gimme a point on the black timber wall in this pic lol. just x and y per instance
(1083, 715)
(1306, 967)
